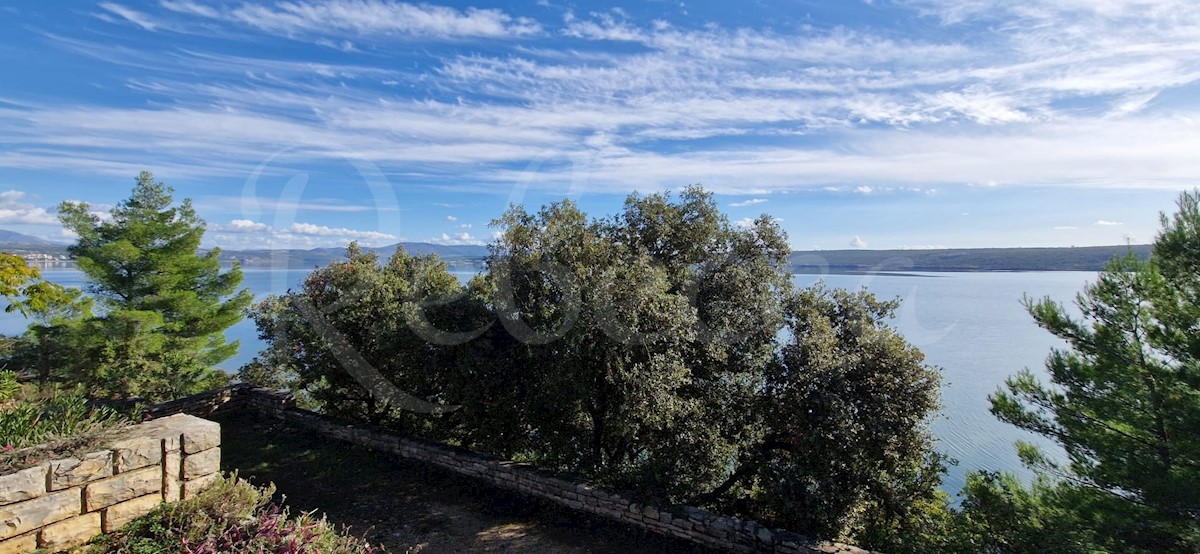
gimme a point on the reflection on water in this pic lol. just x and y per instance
(971, 325)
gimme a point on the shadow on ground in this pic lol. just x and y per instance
(410, 507)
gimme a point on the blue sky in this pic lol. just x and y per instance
(876, 124)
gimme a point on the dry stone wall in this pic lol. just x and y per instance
(690, 524)
(62, 503)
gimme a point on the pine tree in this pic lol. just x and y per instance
(1124, 398)
(165, 304)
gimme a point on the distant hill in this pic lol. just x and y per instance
(1088, 258)
(15, 238)
(303, 259)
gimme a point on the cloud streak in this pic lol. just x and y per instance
(1061, 93)
(15, 209)
(366, 18)
(247, 233)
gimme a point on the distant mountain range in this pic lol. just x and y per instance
(15, 238)
(41, 251)
(302, 259)
(1089, 258)
(1084, 258)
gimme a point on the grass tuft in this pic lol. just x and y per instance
(230, 517)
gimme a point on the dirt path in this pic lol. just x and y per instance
(410, 507)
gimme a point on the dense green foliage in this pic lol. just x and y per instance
(347, 330)
(1123, 402)
(163, 305)
(644, 336)
(15, 276)
(58, 422)
(230, 517)
(660, 351)
(40, 418)
(644, 351)
(57, 313)
(845, 441)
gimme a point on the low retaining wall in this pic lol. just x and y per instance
(690, 524)
(61, 504)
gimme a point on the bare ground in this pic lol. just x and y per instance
(406, 506)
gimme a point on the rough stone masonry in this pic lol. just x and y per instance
(61, 504)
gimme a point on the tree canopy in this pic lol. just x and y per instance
(1124, 397)
(660, 350)
(164, 304)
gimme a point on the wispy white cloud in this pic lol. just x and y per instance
(247, 233)
(190, 8)
(128, 14)
(245, 226)
(857, 242)
(602, 26)
(15, 209)
(324, 231)
(1104, 223)
(1060, 92)
(253, 204)
(366, 18)
(749, 202)
(456, 238)
(744, 223)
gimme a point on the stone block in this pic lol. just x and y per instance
(23, 485)
(172, 480)
(116, 516)
(72, 472)
(178, 430)
(136, 452)
(125, 486)
(201, 464)
(19, 545)
(68, 533)
(199, 435)
(22, 517)
(172, 443)
(191, 488)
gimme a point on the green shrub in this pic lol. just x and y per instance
(233, 517)
(38, 426)
(9, 385)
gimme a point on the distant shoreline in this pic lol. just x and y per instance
(840, 262)
(72, 266)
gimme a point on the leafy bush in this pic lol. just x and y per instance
(232, 516)
(38, 426)
(9, 386)
(648, 352)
